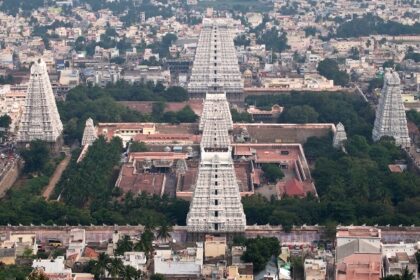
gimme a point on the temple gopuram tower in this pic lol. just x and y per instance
(390, 114)
(40, 120)
(89, 134)
(216, 206)
(215, 67)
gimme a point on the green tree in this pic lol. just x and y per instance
(130, 273)
(124, 245)
(138, 147)
(300, 114)
(5, 121)
(274, 39)
(157, 276)
(14, 272)
(164, 232)
(330, 70)
(36, 156)
(354, 53)
(272, 172)
(260, 250)
(115, 267)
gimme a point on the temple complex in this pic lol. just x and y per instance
(390, 115)
(215, 68)
(40, 120)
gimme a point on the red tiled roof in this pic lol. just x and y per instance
(90, 253)
(243, 151)
(395, 168)
(167, 137)
(147, 106)
(293, 187)
(150, 183)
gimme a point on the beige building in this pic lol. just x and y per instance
(315, 269)
(22, 243)
(240, 272)
(309, 81)
(396, 264)
(69, 77)
(12, 103)
(214, 247)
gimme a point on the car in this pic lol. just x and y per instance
(418, 150)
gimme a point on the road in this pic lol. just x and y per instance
(57, 174)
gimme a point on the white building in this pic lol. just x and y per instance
(54, 269)
(77, 244)
(184, 262)
(137, 260)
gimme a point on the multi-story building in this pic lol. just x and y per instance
(186, 262)
(358, 253)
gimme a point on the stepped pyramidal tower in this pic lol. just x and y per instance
(215, 68)
(390, 114)
(216, 205)
(340, 136)
(89, 134)
(40, 120)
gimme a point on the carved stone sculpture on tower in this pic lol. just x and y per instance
(390, 114)
(89, 134)
(40, 120)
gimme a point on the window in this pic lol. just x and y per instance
(216, 213)
(216, 202)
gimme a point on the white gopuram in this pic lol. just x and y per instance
(215, 68)
(340, 136)
(216, 206)
(40, 120)
(89, 134)
(390, 114)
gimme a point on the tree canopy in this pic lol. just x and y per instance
(373, 25)
(330, 70)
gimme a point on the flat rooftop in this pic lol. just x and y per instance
(358, 231)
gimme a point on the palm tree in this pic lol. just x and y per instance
(100, 266)
(115, 267)
(130, 273)
(164, 232)
(124, 245)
